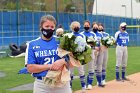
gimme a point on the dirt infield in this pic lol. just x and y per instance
(132, 86)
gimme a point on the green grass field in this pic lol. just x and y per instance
(11, 66)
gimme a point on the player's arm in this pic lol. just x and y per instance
(116, 37)
(128, 38)
(34, 68)
(107, 34)
(58, 64)
(83, 36)
(97, 47)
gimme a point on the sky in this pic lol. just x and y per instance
(114, 8)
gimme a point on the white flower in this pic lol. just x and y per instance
(91, 39)
(105, 38)
(113, 39)
(109, 42)
(89, 46)
(81, 44)
(68, 34)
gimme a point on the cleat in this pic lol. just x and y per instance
(89, 87)
(100, 85)
(125, 79)
(103, 82)
(118, 79)
(83, 90)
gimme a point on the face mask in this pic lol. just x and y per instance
(76, 29)
(101, 30)
(86, 28)
(124, 28)
(95, 30)
(47, 32)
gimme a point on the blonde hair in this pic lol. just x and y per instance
(73, 24)
(59, 32)
(45, 18)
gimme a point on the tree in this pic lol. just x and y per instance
(138, 1)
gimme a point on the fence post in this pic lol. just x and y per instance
(17, 17)
(56, 9)
(85, 13)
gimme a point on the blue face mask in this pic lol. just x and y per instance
(48, 33)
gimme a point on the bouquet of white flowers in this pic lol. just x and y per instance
(92, 41)
(77, 46)
(79, 53)
(108, 41)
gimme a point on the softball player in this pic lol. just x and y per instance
(41, 56)
(88, 33)
(122, 39)
(75, 27)
(105, 53)
(99, 57)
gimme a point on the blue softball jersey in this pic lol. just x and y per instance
(122, 38)
(77, 34)
(40, 51)
(99, 36)
(104, 34)
(88, 34)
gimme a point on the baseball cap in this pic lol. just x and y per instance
(123, 24)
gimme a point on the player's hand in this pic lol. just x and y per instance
(97, 48)
(58, 65)
(102, 48)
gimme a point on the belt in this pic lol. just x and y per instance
(122, 45)
(39, 77)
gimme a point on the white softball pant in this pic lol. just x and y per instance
(105, 58)
(99, 61)
(121, 56)
(40, 87)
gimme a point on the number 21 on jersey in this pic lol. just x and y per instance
(49, 60)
